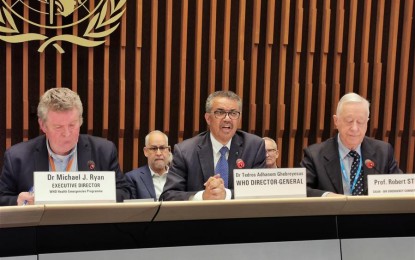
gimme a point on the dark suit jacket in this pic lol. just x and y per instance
(193, 163)
(21, 160)
(141, 183)
(322, 162)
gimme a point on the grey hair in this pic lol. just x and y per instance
(170, 158)
(153, 132)
(352, 98)
(59, 99)
(225, 94)
(272, 140)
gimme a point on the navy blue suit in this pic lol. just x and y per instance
(141, 183)
(193, 163)
(21, 160)
(322, 162)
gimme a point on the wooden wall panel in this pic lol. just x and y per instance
(350, 70)
(167, 65)
(403, 74)
(8, 112)
(324, 51)
(377, 69)
(25, 84)
(138, 44)
(198, 66)
(290, 61)
(256, 26)
(410, 151)
(339, 38)
(390, 69)
(122, 91)
(266, 119)
(226, 42)
(308, 85)
(295, 83)
(364, 53)
(240, 61)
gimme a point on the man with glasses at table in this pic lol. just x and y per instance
(148, 181)
(272, 152)
(202, 166)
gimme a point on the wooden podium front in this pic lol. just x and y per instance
(47, 229)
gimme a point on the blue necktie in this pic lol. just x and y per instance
(222, 166)
(359, 188)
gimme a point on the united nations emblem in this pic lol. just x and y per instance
(50, 21)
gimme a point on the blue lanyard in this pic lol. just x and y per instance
(347, 178)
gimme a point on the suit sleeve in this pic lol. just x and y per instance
(308, 162)
(8, 188)
(177, 178)
(392, 164)
(123, 189)
(131, 183)
(260, 158)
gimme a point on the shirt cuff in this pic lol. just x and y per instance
(228, 194)
(325, 194)
(199, 195)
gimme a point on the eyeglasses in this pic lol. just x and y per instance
(221, 114)
(271, 151)
(154, 149)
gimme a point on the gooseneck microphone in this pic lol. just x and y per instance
(91, 165)
(371, 165)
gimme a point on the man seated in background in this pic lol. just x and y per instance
(148, 181)
(272, 152)
(61, 148)
(202, 167)
(337, 166)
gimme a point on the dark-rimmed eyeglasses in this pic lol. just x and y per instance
(154, 149)
(221, 114)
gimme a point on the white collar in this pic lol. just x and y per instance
(153, 173)
(216, 145)
(344, 151)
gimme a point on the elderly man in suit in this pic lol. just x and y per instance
(148, 181)
(272, 152)
(61, 148)
(337, 166)
(202, 167)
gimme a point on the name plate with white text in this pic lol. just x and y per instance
(269, 183)
(391, 184)
(74, 187)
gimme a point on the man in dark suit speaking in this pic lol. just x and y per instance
(61, 148)
(341, 164)
(202, 167)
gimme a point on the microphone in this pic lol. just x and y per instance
(91, 165)
(371, 165)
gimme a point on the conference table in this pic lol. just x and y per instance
(280, 228)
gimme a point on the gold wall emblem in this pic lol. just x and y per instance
(50, 21)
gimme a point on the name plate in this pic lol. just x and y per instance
(269, 183)
(391, 184)
(74, 187)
